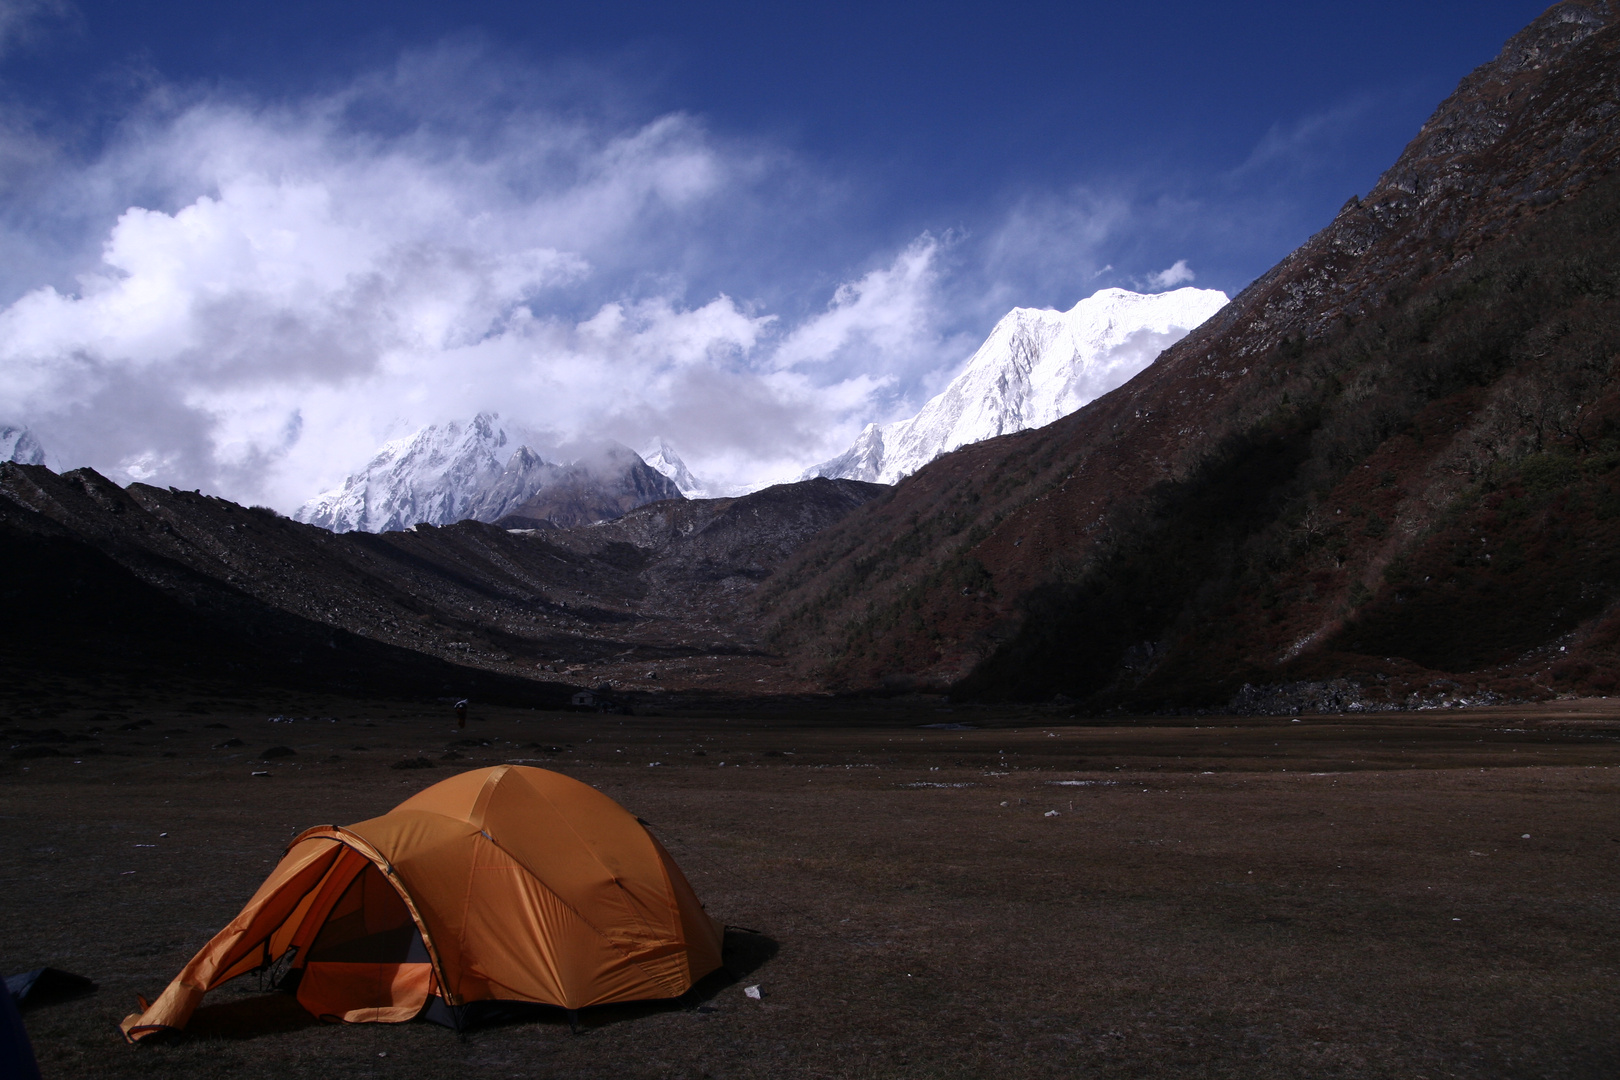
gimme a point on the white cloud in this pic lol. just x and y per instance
(887, 312)
(291, 290)
(250, 298)
(1178, 274)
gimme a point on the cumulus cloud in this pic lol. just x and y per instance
(250, 298)
(887, 312)
(1178, 274)
(293, 287)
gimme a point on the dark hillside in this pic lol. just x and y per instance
(1265, 502)
(1354, 519)
(745, 537)
(202, 583)
(71, 608)
(596, 489)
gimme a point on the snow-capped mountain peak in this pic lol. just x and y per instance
(1036, 366)
(430, 476)
(18, 444)
(450, 472)
(661, 456)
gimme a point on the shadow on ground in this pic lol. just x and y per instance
(743, 953)
(278, 1013)
(250, 1018)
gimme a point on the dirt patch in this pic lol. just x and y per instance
(1012, 895)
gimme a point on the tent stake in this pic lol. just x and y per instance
(573, 1022)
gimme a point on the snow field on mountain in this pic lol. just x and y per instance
(1036, 366)
(479, 469)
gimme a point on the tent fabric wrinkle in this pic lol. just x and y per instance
(502, 884)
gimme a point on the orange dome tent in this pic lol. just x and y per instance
(502, 884)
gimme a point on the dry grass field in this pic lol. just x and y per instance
(1424, 895)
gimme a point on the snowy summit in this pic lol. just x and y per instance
(19, 445)
(1036, 366)
(661, 456)
(456, 471)
(431, 476)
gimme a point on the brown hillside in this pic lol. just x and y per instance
(150, 577)
(1424, 381)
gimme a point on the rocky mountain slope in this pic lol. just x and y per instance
(1036, 366)
(453, 472)
(1385, 472)
(188, 580)
(599, 486)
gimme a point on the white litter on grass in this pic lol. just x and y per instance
(752, 991)
(1526, 836)
(1082, 783)
(1050, 813)
(261, 774)
(924, 783)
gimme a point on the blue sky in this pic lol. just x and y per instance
(249, 241)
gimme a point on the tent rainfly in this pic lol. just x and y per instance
(501, 884)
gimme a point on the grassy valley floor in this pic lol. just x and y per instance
(1024, 897)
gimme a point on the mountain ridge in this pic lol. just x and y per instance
(441, 474)
(661, 456)
(1035, 366)
(246, 589)
(944, 583)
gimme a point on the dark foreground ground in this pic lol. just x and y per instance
(1428, 895)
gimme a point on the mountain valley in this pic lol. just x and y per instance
(1385, 475)
(1195, 686)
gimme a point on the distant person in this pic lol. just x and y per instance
(461, 714)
